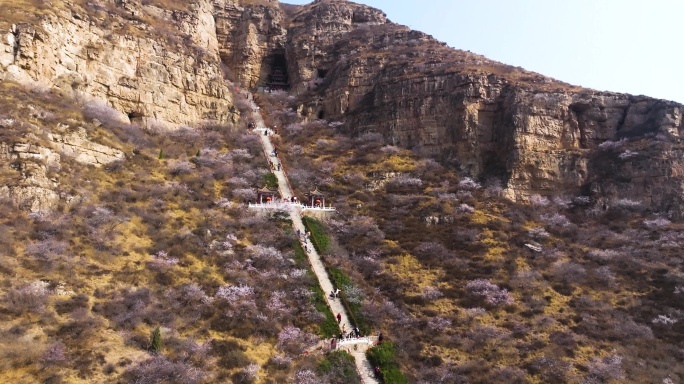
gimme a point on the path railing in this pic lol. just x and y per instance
(366, 341)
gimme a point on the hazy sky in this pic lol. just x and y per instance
(632, 46)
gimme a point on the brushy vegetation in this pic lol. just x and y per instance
(271, 181)
(319, 237)
(149, 246)
(351, 304)
(440, 264)
(339, 367)
(321, 241)
(436, 261)
(329, 326)
(384, 357)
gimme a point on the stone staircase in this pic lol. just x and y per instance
(356, 348)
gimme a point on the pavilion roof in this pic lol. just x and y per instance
(315, 192)
(266, 190)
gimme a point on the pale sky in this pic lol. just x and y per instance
(631, 46)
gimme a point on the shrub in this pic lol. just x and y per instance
(55, 354)
(247, 375)
(490, 292)
(384, 356)
(319, 237)
(569, 272)
(610, 145)
(538, 233)
(271, 181)
(605, 370)
(556, 220)
(232, 293)
(306, 376)
(29, 297)
(47, 250)
(230, 354)
(73, 303)
(433, 249)
(160, 370)
(178, 167)
(439, 323)
(468, 184)
(465, 208)
(481, 336)
(156, 341)
(627, 154)
(293, 340)
(431, 293)
(551, 370)
(626, 205)
(603, 254)
(539, 201)
(664, 320)
(340, 368)
(657, 224)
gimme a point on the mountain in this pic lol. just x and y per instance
(496, 225)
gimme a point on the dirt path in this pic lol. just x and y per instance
(363, 366)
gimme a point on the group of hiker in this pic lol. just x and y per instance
(354, 334)
(275, 166)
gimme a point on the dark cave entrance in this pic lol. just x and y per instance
(135, 117)
(274, 71)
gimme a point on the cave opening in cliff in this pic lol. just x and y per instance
(321, 114)
(275, 67)
(135, 117)
(322, 73)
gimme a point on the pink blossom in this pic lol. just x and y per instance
(233, 293)
(490, 292)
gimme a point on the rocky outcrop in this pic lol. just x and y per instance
(33, 189)
(248, 36)
(32, 163)
(150, 63)
(313, 36)
(76, 145)
(348, 63)
(539, 135)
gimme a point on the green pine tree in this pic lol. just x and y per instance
(156, 341)
(161, 154)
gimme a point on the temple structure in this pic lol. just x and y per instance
(315, 199)
(265, 195)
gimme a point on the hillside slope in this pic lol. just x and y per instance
(494, 224)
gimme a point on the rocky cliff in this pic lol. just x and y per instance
(347, 62)
(162, 61)
(150, 63)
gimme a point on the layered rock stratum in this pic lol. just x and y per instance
(347, 62)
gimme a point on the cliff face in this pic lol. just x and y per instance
(539, 135)
(347, 62)
(149, 63)
(247, 36)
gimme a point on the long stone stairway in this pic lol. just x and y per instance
(357, 348)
